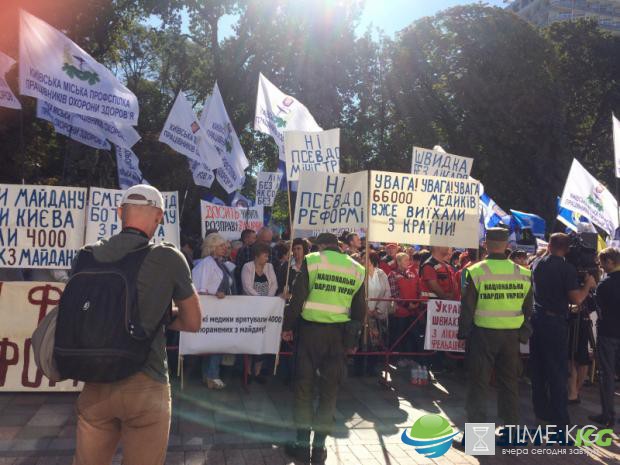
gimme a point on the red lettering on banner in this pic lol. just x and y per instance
(5, 361)
(45, 300)
(38, 375)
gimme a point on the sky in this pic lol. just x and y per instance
(389, 15)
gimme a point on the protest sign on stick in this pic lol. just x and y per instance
(103, 221)
(423, 210)
(267, 185)
(331, 201)
(230, 221)
(41, 226)
(311, 151)
(429, 162)
(22, 306)
(236, 325)
(442, 325)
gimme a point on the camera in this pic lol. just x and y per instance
(582, 254)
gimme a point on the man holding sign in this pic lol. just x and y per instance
(329, 297)
(496, 303)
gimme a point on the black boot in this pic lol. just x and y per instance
(319, 455)
(298, 452)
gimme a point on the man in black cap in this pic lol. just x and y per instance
(495, 305)
(327, 308)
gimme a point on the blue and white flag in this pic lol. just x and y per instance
(491, 211)
(55, 69)
(7, 98)
(573, 221)
(529, 220)
(240, 201)
(222, 138)
(127, 163)
(202, 174)
(214, 200)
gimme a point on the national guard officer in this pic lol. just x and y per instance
(327, 308)
(495, 306)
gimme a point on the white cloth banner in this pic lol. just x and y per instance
(127, 165)
(183, 134)
(61, 120)
(439, 163)
(442, 326)
(277, 112)
(311, 151)
(202, 174)
(22, 306)
(236, 325)
(423, 210)
(55, 69)
(7, 98)
(584, 194)
(125, 136)
(41, 226)
(329, 201)
(103, 221)
(230, 221)
(616, 132)
(267, 185)
(222, 138)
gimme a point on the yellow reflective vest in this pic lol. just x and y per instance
(502, 287)
(333, 280)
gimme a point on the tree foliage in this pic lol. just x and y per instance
(477, 80)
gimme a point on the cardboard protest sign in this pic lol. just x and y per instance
(423, 210)
(329, 201)
(429, 162)
(311, 151)
(230, 221)
(267, 185)
(236, 325)
(103, 221)
(22, 306)
(41, 226)
(442, 325)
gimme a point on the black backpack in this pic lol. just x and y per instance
(99, 337)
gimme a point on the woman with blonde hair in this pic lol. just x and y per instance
(212, 276)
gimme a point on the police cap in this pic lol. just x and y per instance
(326, 239)
(497, 234)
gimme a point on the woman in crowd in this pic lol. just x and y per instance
(301, 248)
(378, 288)
(258, 278)
(212, 276)
(403, 285)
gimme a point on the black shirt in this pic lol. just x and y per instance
(608, 300)
(553, 277)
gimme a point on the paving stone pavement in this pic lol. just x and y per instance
(248, 426)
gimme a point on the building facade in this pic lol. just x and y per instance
(544, 12)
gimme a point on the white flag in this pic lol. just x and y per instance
(55, 69)
(127, 164)
(61, 120)
(277, 112)
(222, 138)
(123, 135)
(203, 176)
(7, 98)
(616, 125)
(183, 134)
(584, 194)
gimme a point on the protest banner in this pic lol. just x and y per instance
(585, 195)
(55, 69)
(230, 221)
(423, 210)
(7, 98)
(277, 112)
(329, 201)
(429, 162)
(311, 151)
(442, 325)
(236, 325)
(40, 226)
(22, 306)
(267, 185)
(103, 221)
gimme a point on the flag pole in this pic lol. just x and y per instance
(21, 142)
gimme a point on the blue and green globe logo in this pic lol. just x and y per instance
(431, 435)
